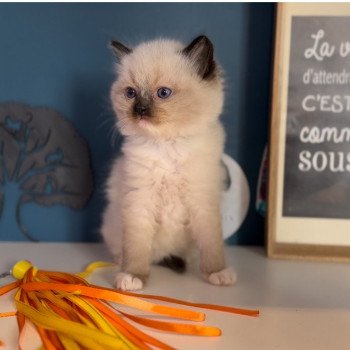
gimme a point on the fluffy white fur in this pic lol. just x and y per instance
(164, 190)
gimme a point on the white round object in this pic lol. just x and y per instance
(235, 198)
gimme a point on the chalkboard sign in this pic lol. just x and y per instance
(309, 184)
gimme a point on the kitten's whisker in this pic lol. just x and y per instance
(105, 122)
(115, 136)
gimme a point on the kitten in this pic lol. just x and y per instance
(164, 191)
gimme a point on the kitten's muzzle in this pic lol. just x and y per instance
(142, 109)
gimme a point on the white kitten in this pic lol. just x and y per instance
(164, 191)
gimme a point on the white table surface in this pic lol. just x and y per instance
(303, 305)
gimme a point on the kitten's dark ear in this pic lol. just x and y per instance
(201, 51)
(119, 49)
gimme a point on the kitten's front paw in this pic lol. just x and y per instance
(225, 277)
(126, 281)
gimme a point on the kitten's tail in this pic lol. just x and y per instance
(174, 263)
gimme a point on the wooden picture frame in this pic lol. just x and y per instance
(308, 209)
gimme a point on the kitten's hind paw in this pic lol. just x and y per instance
(126, 281)
(225, 277)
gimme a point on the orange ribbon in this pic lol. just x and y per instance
(70, 313)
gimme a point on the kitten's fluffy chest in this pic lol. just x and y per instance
(160, 159)
(159, 170)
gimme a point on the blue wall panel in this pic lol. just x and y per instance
(56, 55)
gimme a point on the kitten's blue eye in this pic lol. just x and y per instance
(164, 92)
(130, 92)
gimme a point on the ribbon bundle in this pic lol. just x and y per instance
(70, 313)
